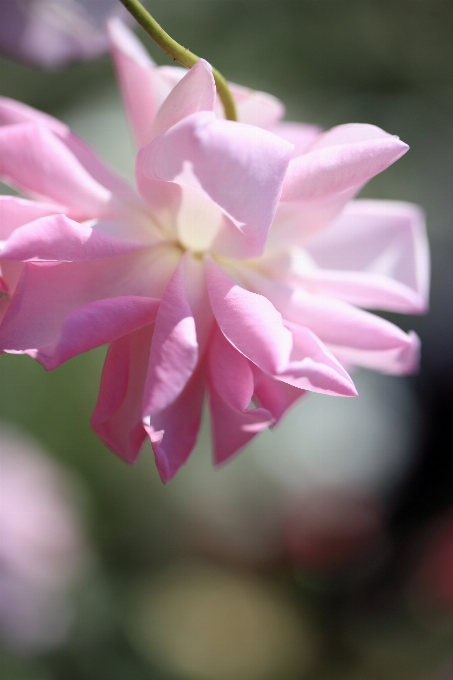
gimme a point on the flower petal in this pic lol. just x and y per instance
(57, 238)
(255, 108)
(301, 135)
(313, 367)
(379, 255)
(274, 395)
(401, 359)
(174, 386)
(16, 211)
(97, 324)
(117, 417)
(196, 291)
(122, 191)
(296, 222)
(240, 167)
(142, 86)
(255, 328)
(195, 92)
(174, 350)
(173, 431)
(231, 389)
(249, 321)
(350, 133)
(365, 289)
(374, 342)
(10, 275)
(341, 160)
(14, 113)
(48, 293)
(33, 159)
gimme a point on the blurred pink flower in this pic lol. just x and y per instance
(241, 263)
(54, 33)
(42, 550)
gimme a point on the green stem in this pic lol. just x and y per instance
(179, 53)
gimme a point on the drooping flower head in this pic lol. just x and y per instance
(239, 270)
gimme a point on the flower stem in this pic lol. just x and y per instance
(179, 53)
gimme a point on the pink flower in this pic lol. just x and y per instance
(42, 549)
(54, 33)
(241, 264)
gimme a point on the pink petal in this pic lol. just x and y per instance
(240, 167)
(295, 223)
(301, 135)
(48, 293)
(365, 289)
(401, 359)
(231, 243)
(174, 349)
(340, 161)
(99, 171)
(10, 274)
(342, 326)
(255, 108)
(173, 431)
(379, 255)
(320, 182)
(196, 291)
(117, 417)
(15, 212)
(36, 161)
(231, 389)
(254, 327)
(313, 367)
(97, 324)
(14, 113)
(126, 42)
(3, 307)
(163, 200)
(348, 134)
(195, 92)
(171, 75)
(175, 383)
(249, 322)
(142, 87)
(132, 227)
(168, 203)
(57, 238)
(274, 395)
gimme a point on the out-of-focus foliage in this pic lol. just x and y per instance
(344, 549)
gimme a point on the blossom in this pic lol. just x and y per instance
(42, 549)
(53, 33)
(240, 266)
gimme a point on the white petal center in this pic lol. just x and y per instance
(199, 221)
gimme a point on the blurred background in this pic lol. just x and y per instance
(325, 550)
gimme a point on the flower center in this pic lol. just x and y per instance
(199, 221)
